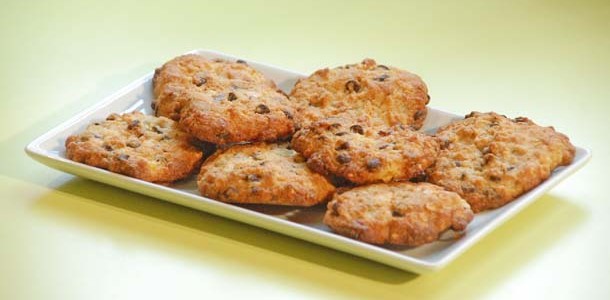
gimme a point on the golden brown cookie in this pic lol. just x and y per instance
(362, 152)
(490, 159)
(256, 114)
(400, 213)
(222, 102)
(141, 146)
(389, 95)
(191, 72)
(264, 174)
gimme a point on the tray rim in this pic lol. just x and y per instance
(253, 218)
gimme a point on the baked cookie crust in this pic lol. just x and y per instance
(146, 147)
(221, 101)
(490, 159)
(362, 152)
(390, 95)
(263, 174)
(400, 213)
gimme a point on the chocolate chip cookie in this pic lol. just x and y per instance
(363, 152)
(402, 213)
(387, 94)
(490, 159)
(264, 174)
(222, 102)
(255, 114)
(137, 145)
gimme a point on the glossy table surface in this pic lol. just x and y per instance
(64, 237)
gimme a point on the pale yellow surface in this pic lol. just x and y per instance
(68, 238)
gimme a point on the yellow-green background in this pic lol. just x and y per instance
(67, 238)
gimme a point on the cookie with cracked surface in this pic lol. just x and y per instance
(249, 115)
(390, 95)
(263, 174)
(490, 159)
(399, 213)
(146, 147)
(362, 152)
(173, 81)
(222, 102)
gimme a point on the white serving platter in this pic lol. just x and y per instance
(302, 223)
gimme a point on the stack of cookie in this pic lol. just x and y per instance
(348, 135)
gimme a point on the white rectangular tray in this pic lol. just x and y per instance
(302, 223)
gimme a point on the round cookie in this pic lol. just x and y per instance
(191, 72)
(263, 174)
(389, 95)
(362, 152)
(400, 213)
(490, 159)
(137, 145)
(222, 102)
(256, 114)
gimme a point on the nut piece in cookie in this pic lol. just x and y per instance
(141, 146)
(263, 174)
(400, 213)
(391, 95)
(362, 152)
(490, 159)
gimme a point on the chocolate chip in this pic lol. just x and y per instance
(96, 123)
(108, 147)
(463, 177)
(397, 214)
(262, 109)
(342, 146)
(458, 164)
(383, 146)
(419, 114)
(494, 178)
(112, 117)
(240, 61)
(357, 129)
(383, 67)
(342, 133)
(521, 119)
(253, 178)
(199, 80)
(288, 114)
(420, 177)
(334, 209)
(133, 124)
(123, 157)
(510, 168)
(352, 86)
(232, 97)
(343, 158)
(445, 144)
(133, 144)
(157, 130)
(383, 133)
(373, 163)
(382, 77)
